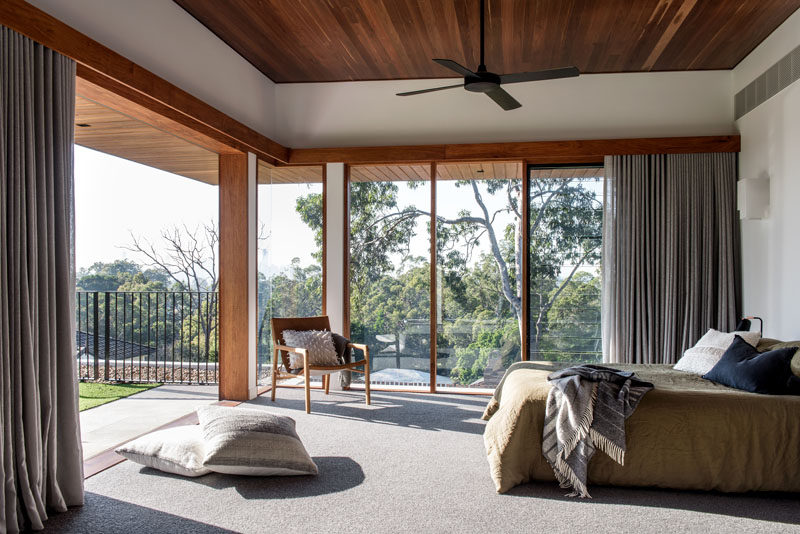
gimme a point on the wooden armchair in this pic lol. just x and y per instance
(281, 353)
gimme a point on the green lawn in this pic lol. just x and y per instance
(96, 393)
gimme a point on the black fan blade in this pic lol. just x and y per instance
(409, 93)
(503, 99)
(550, 74)
(455, 67)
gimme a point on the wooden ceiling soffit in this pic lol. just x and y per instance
(270, 174)
(390, 173)
(583, 151)
(111, 132)
(491, 170)
(113, 72)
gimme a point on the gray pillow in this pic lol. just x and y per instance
(179, 450)
(252, 442)
(321, 350)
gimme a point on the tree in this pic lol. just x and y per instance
(189, 258)
(565, 226)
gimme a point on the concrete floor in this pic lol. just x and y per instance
(112, 424)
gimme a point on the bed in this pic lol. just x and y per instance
(687, 433)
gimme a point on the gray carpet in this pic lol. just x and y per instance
(408, 463)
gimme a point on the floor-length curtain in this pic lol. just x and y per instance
(42, 467)
(669, 253)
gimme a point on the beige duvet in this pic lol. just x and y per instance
(687, 433)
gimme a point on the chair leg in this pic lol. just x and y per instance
(366, 380)
(327, 381)
(274, 374)
(308, 388)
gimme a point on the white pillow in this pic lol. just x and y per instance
(179, 450)
(701, 358)
(252, 442)
(321, 350)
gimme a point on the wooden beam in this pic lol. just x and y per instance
(583, 151)
(167, 121)
(111, 71)
(233, 277)
(373, 154)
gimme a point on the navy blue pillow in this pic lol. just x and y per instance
(743, 367)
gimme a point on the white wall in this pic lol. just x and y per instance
(589, 107)
(334, 253)
(771, 149)
(165, 39)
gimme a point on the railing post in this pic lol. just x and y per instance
(96, 329)
(106, 330)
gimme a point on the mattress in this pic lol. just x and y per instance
(687, 433)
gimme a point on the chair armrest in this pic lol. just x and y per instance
(360, 346)
(296, 350)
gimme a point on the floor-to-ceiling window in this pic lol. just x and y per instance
(565, 229)
(389, 270)
(479, 271)
(289, 250)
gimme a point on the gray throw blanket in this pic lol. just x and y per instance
(586, 409)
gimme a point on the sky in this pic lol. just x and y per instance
(114, 197)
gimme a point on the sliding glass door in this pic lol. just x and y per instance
(479, 271)
(565, 234)
(289, 250)
(517, 269)
(389, 271)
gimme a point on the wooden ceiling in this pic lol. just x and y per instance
(444, 171)
(109, 131)
(112, 132)
(336, 40)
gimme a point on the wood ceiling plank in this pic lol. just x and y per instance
(319, 41)
(112, 132)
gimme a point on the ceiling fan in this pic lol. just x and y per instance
(483, 81)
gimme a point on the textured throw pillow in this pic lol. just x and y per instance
(321, 350)
(252, 442)
(708, 351)
(179, 450)
(795, 365)
(743, 367)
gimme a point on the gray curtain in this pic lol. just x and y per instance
(670, 253)
(42, 466)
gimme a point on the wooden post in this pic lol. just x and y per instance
(237, 365)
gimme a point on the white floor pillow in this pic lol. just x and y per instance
(240, 441)
(709, 349)
(179, 450)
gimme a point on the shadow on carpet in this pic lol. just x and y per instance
(767, 506)
(96, 507)
(411, 410)
(336, 473)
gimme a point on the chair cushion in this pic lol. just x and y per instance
(179, 450)
(241, 441)
(743, 367)
(321, 350)
(709, 349)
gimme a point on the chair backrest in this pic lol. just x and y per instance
(279, 324)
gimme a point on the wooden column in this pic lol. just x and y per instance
(237, 227)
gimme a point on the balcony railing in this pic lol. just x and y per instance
(147, 336)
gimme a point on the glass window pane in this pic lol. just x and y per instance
(289, 251)
(390, 271)
(566, 214)
(479, 297)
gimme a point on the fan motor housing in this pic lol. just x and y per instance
(483, 83)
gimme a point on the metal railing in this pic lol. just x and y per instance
(147, 336)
